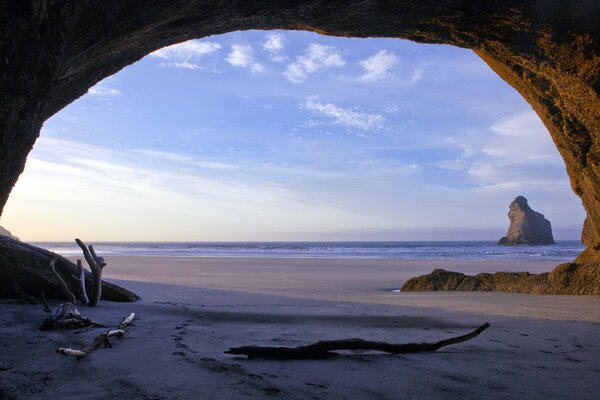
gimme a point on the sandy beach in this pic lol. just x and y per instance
(193, 309)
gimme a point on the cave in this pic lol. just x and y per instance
(53, 52)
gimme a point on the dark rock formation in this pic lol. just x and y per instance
(527, 227)
(28, 266)
(6, 232)
(565, 279)
(52, 52)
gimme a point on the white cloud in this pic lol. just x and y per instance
(483, 171)
(377, 66)
(520, 157)
(186, 50)
(521, 136)
(101, 90)
(416, 76)
(187, 65)
(318, 57)
(346, 117)
(452, 165)
(242, 56)
(274, 45)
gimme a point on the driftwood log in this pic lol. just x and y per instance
(27, 265)
(102, 340)
(325, 348)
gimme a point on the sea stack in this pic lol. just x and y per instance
(527, 227)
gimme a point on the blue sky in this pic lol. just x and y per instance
(292, 136)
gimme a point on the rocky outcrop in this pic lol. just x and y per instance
(28, 266)
(54, 51)
(568, 278)
(6, 232)
(527, 227)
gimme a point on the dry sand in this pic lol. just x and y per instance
(193, 309)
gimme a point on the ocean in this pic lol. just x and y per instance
(440, 250)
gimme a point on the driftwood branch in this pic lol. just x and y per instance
(81, 276)
(96, 265)
(324, 348)
(63, 284)
(102, 340)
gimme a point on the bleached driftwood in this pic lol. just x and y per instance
(102, 340)
(81, 277)
(63, 284)
(128, 320)
(324, 348)
(96, 265)
(67, 316)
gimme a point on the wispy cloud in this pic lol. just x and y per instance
(104, 194)
(416, 76)
(317, 57)
(186, 50)
(187, 65)
(274, 45)
(520, 131)
(101, 89)
(452, 165)
(344, 116)
(187, 160)
(520, 155)
(377, 67)
(242, 56)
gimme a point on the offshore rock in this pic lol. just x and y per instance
(527, 227)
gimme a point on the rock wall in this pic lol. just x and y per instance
(6, 232)
(566, 279)
(527, 227)
(53, 51)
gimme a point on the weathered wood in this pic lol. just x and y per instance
(102, 340)
(324, 348)
(28, 266)
(96, 265)
(63, 284)
(67, 316)
(81, 277)
(127, 321)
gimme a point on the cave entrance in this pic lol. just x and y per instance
(287, 135)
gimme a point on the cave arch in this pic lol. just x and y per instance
(53, 52)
